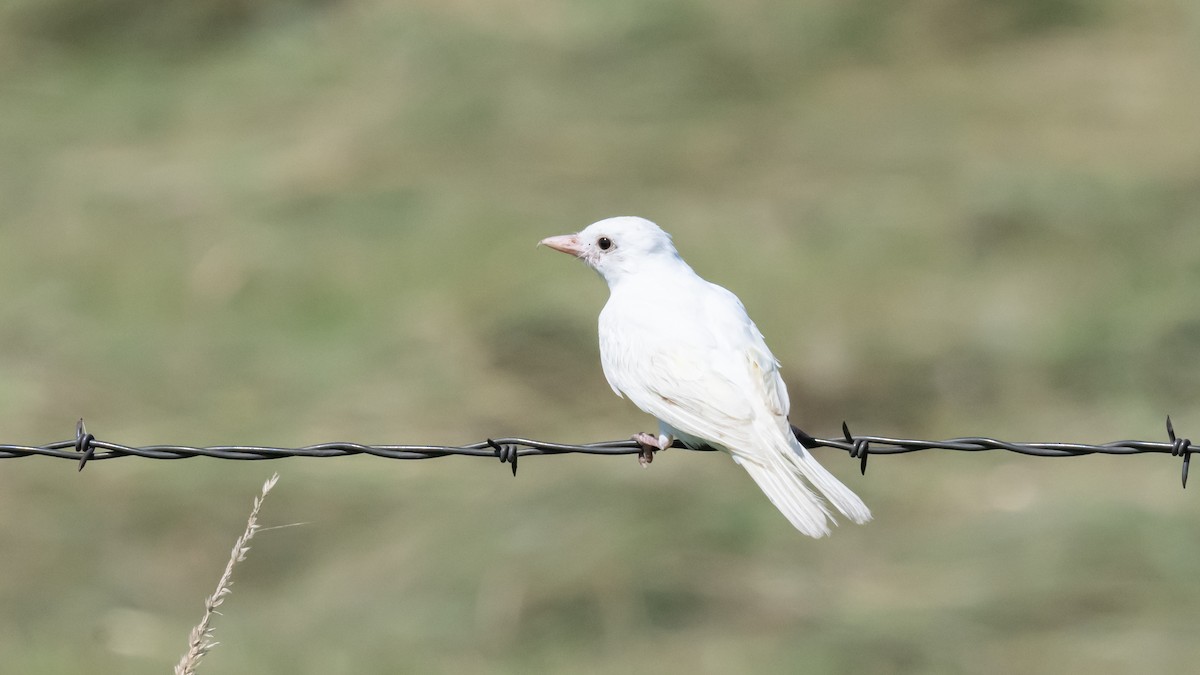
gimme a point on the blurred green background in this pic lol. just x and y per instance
(226, 221)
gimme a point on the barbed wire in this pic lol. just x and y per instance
(85, 447)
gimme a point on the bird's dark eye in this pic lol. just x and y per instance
(604, 243)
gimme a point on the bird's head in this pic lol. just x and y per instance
(616, 247)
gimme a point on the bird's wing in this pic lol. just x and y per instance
(765, 373)
(687, 389)
(738, 335)
(711, 378)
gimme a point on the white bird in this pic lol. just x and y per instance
(684, 350)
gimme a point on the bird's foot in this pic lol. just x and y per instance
(650, 444)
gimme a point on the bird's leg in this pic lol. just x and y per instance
(650, 443)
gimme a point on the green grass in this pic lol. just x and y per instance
(297, 223)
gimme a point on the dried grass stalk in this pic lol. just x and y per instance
(200, 641)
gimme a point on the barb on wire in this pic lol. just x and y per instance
(85, 447)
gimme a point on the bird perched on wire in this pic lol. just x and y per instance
(684, 350)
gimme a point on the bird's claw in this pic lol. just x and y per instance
(646, 456)
(650, 444)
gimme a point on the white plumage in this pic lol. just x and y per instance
(684, 350)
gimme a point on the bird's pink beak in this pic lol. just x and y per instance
(567, 243)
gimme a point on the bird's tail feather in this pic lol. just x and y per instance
(783, 486)
(838, 494)
(795, 483)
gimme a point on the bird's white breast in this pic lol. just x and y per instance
(645, 320)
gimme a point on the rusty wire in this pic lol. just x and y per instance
(86, 447)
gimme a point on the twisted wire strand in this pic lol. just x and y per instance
(85, 447)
